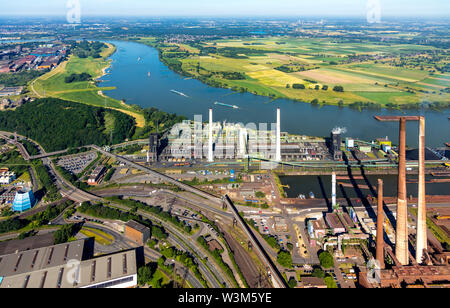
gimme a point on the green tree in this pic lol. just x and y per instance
(331, 284)
(326, 259)
(260, 194)
(292, 283)
(318, 272)
(298, 86)
(284, 258)
(145, 275)
(338, 89)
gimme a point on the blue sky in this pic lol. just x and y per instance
(226, 7)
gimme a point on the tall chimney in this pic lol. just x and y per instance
(278, 150)
(401, 240)
(421, 239)
(210, 146)
(380, 229)
(242, 142)
(333, 189)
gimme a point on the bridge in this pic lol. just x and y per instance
(48, 154)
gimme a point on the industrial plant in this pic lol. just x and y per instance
(428, 265)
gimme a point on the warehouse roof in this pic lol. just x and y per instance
(137, 226)
(40, 258)
(98, 272)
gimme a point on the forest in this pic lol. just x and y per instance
(85, 49)
(58, 124)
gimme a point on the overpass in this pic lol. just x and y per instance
(19, 145)
(48, 154)
(161, 176)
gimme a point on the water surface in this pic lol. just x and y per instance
(133, 61)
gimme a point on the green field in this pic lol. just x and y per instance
(53, 84)
(374, 73)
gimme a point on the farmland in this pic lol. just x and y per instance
(310, 69)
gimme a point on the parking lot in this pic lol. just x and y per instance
(77, 163)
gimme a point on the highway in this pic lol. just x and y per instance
(143, 191)
(161, 176)
(281, 283)
(121, 243)
(188, 244)
(77, 195)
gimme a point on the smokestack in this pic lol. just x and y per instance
(401, 241)
(421, 239)
(242, 142)
(210, 147)
(278, 151)
(333, 189)
(380, 229)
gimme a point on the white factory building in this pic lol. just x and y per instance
(216, 141)
(7, 177)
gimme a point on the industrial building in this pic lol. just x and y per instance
(218, 141)
(336, 143)
(68, 265)
(280, 224)
(154, 146)
(429, 267)
(137, 232)
(24, 200)
(96, 175)
(334, 229)
(7, 178)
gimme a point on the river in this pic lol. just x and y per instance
(321, 186)
(133, 61)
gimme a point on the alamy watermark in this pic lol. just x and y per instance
(373, 11)
(73, 269)
(230, 141)
(73, 11)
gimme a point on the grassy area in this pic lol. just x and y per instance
(440, 234)
(53, 84)
(100, 237)
(270, 66)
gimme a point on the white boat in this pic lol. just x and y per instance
(226, 105)
(179, 93)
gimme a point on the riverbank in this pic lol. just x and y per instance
(53, 84)
(129, 76)
(264, 67)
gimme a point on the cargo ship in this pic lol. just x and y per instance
(179, 93)
(226, 105)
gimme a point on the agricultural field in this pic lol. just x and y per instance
(53, 84)
(308, 70)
